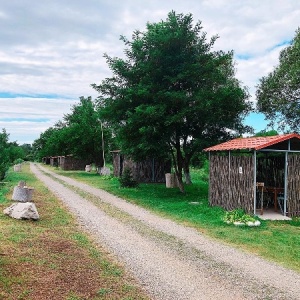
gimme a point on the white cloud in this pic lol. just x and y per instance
(25, 118)
(57, 47)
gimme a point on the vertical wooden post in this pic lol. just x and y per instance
(285, 181)
(254, 182)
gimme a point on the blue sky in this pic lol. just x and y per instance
(51, 51)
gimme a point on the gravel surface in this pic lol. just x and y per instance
(170, 261)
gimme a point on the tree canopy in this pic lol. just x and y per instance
(4, 156)
(79, 134)
(172, 93)
(266, 133)
(278, 93)
(10, 152)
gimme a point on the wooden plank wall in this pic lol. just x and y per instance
(149, 170)
(293, 197)
(231, 182)
(152, 170)
(68, 163)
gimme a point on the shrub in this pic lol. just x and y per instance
(239, 217)
(127, 180)
(18, 161)
(204, 171)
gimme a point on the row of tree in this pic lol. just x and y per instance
(11, 152)
(171, 96)
(80, 133)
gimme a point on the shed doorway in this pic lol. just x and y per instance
(270, 178)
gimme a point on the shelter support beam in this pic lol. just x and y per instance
(285, 183)
(254, 182)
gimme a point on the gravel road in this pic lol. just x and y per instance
(170, 261)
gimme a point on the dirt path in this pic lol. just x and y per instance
(171, 261)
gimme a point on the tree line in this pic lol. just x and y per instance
(11, 153)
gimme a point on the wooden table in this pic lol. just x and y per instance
(275, 191)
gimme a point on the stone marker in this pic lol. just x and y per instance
(22, 192)
(88, 168)
(171, 180)
(104, 171)
(22, 211)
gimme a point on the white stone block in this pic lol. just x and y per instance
(20, 210)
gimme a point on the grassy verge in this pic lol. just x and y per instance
(52, 258)
(278, 241)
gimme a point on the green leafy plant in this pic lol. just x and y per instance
(18, 161)
(127, 180)
(239, 217)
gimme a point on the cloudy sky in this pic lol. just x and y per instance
(51, 51)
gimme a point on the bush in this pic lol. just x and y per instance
(239, 217)
(204, 171)
(18, 161)
(127, 180)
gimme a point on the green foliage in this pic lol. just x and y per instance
(172, 94)
(15, 152)
(18, 161)
(238, 215)
(28, 152)
(199, 159)
(9, 152)
(204, 171)
(266, 133)
(4, 156)
(104, 291)
(278, 93)
(127, 180)
(80, 134)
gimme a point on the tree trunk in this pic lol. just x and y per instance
(187, 176)
(186, 170)
(180, 182)
(179, 168)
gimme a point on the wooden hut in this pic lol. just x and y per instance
(149, 170)
(54, 161)
(69, 162)
(255, 173)
(65, 162)
(46, 160)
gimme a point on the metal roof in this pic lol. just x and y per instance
(252, 143)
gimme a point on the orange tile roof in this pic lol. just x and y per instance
(252, 143)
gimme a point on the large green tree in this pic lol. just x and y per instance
(84, 131)
(278, 93)
(52, 142)
(172, 94)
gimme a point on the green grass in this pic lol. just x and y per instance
(274, 240)
(52, 258)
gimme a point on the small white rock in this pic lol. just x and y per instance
(238, 223)
(194, 203)
(22, 210)
(257, 223)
